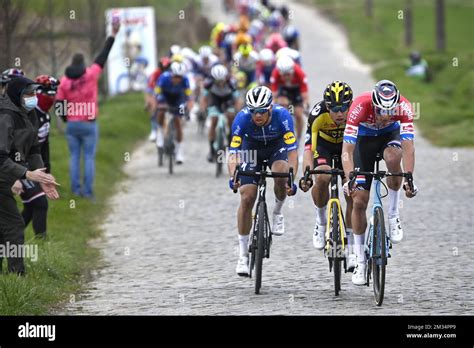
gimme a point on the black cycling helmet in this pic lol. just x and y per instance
(338, 93)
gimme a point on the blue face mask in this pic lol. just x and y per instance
(30, 103)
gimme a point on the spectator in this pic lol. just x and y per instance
(418, 67)
(77, 98)
(19, 159)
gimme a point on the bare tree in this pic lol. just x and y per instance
(440, 26)
(369, 8)
(408, 23)
(10, 17)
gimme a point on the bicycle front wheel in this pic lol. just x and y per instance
(336, 242)
(261, 221)
(379, 259)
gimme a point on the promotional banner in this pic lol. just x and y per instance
(133, 55)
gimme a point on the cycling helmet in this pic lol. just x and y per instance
(174, 49)
(385, 95)
(49, 85)
(290, 33)
(267, 55)
(219, 72)
(285, 65)
(13, 72)
(259, 98)
(245, 49)
(177, 58)
(178, 69)
(338, 93)
(205, 51)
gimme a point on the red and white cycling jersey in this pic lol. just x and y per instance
(361, 120)
(297, 80)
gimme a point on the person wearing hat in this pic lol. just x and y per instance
(77, 98)
(20, 158)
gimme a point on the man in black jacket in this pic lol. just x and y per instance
(20, 158)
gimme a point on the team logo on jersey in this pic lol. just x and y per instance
(289, 138)
(307, 137)
(407, 128)
(351, 131)
(236, 141)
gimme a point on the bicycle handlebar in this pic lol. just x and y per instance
(380, 175)
(308, 172)
(258, 174)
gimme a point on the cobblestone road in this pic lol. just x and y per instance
(170, 243)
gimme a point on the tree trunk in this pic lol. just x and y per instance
(408, 24)
(52, 49)
(440, 26)
(368, 8)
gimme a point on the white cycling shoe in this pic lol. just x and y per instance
(319, 236)
(278, 227)
(395, 230)
(359, 275)
(152, 136)
(242, 268)
(351, 262)
(179, 153)
(160, 138)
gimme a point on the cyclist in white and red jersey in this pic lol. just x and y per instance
(289, 83)
(380, 121)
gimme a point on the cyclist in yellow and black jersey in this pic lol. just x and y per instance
(326, 124)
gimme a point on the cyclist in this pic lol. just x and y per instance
(173, 91)
(150, 101)
(291, 36)
(287, 51)
(324, 133)
(275, 42)
(261, 131)
(380, 121)
(290, 83)
(246, 60)
(220, 96)
(265, 66)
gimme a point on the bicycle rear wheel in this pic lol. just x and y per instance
(260, 252)
(336, 241)
(379, 259)
(160, 156)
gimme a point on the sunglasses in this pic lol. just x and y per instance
(341, 108)
(258, 111)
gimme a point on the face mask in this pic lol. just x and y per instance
(30, 102)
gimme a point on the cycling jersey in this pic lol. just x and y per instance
(220, 98)
(172, 94)
(204, 68)
(362, 121)
(275, 41)
(298, 80)
(152, 81)
(279, 129)
(323, 136)
(321, 126)
(264, 73)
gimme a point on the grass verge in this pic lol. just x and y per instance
(65, 257)
(446, 111)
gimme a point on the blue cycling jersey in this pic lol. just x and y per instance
(279, 129)
(171, 93)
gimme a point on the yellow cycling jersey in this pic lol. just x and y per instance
(321, 126)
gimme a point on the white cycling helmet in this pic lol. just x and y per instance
(205, 51)
(385, 95)
(285, 65)
(259, 98)
(188, 53)
(175, 49)
(267, 55)
(219, 72)
(178, 69)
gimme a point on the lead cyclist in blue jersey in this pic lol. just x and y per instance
(261, 131)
